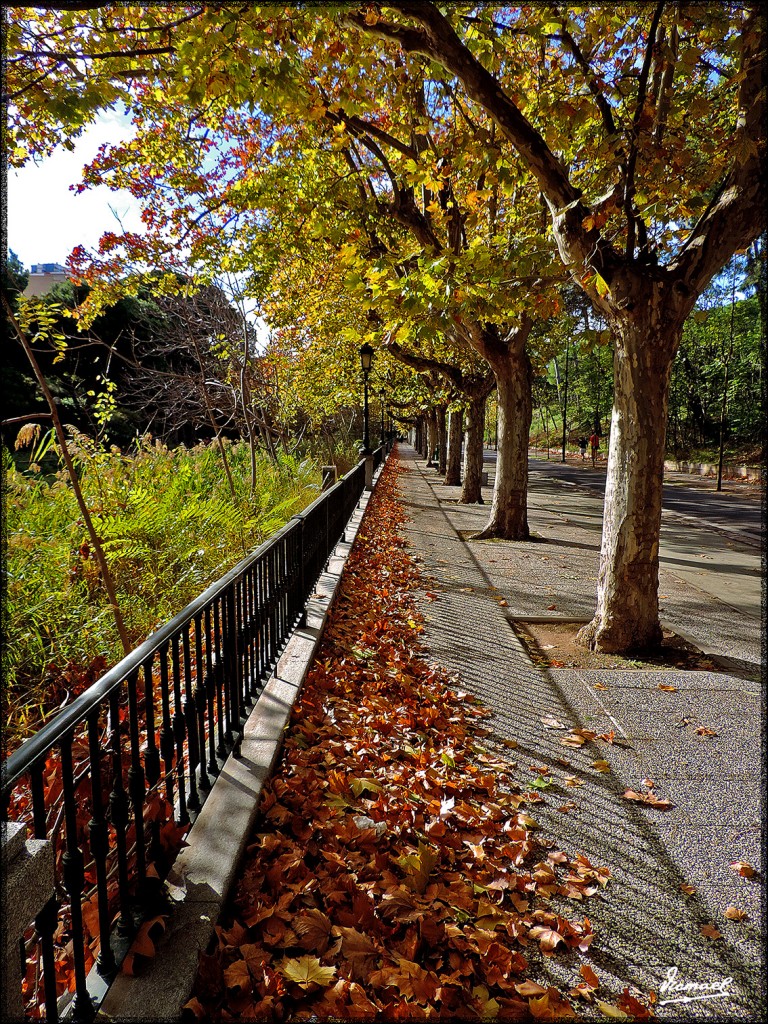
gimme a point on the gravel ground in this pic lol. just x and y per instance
(646, 926)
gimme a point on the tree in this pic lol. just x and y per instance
(423, 179)
(472, 385)
(689, 191)
(642, 128)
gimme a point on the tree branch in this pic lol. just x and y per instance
(105, 55)
(629, 180)
(737, 215)
(437, 40)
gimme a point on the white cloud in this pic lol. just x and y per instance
(46, 220)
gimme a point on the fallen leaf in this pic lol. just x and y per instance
(648, 783)
(599, 686)
(609, 1010)
(573, 781)
(667, 688)
(447, 895)
(307, 971)
(742, 868)
(548, 938)
(573, 740)
(710, 931)
(704, 731)
(503, 604)
(601, 766)
(589, 976)
(689, 890)
(648, 798)
(530, 988)
(634, 1007)
(237, 979)
(314, 929)
(194, 1008)
(552, 723)
(735, 914)
(551, 607)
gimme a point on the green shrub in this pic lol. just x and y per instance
(169, 526)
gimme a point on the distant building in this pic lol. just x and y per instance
(43, 276)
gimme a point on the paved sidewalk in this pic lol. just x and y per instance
(646, 926)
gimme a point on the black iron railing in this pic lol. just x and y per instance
(115, 780)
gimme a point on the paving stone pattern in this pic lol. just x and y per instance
(645, 925)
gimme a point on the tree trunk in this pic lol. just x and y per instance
(418, 429)
(442, 442)
(471, 493)
(627, 615)
(431, 436)
(509, 512)
(453, 459)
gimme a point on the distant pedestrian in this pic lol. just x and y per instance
(583, 447)
(594, 442)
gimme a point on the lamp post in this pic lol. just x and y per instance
(366, 361)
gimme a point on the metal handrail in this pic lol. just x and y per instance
(49, 734)
(180, 698)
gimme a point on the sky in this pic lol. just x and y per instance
(46, 220)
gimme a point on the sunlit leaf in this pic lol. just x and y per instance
(307, 971)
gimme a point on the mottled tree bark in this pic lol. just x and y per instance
(442, 440)
(431, 437)
(512, 370)
(627, 614)
(471, 492)
(644, 301)
(453, 460)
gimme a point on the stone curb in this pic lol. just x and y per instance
(206, 868)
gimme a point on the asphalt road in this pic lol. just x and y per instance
(712, 540)
(737, 510)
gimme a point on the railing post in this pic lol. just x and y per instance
(28, 885)
(301, 570)
(369, 472)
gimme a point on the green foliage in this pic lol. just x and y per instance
(705, 361)
(170, 528)
(14, 276)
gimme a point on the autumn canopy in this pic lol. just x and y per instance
(438, 180)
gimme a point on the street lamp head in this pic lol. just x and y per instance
(366, 357)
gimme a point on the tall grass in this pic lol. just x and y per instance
(169, 526)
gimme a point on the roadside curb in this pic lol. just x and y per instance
(205, 869)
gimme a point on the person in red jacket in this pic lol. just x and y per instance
(594, 442)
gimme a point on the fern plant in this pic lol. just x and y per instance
(169, 526)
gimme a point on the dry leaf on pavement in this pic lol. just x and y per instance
(742, 868)
(735, 914)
